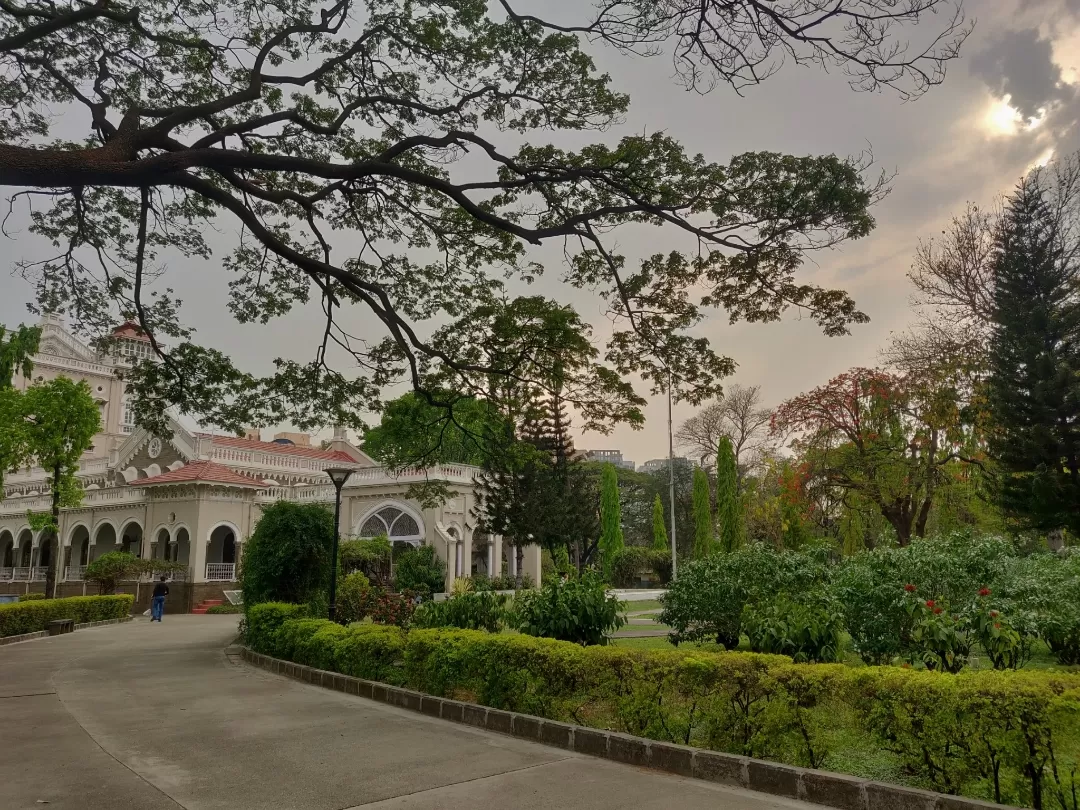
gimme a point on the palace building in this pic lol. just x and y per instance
(195, 497)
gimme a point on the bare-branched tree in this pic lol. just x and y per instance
(361, 151)
(738, 415)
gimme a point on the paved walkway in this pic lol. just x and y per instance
(146, 716)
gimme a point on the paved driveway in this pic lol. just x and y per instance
(148, 716)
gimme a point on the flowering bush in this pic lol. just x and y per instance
(389, 607)
(942, 639)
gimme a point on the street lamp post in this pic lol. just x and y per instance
(339, 475)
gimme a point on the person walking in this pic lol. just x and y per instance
(157, 604)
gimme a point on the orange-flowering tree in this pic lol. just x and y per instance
(883, 439)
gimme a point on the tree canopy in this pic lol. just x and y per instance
(413, 432)
(333, 135)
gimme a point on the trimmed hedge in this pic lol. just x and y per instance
(1004, 736)
(31, 617)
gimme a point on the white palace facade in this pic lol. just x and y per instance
(196, 497)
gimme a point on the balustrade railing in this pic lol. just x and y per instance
(21, 573)
(74, 573)
(6, 574)
(220, 572)
(39, 573)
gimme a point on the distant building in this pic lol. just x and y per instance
(609, 457)
(657, 464)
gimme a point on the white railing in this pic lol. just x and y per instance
(68, 362)
(220, 572)
(43, 503)
(370, 476)
(21, 573)
(90, 466)
(40, 573)
(74, 573)
(6, 574)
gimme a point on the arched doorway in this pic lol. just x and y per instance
(160, 549)
(181, 546)
(25, 554)
(221, 554)
(104, 541)
(7, 552)
(79, 554)
(131, 537)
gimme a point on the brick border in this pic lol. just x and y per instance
(45, 633)
(818, 787)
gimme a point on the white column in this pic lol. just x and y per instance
(497, 545)
(491, 556)
(458, 551)
(512, 553)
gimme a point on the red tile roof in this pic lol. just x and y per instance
(209, 472)
(274, 447)
(130, 329)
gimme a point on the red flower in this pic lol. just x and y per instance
(993, 614)
(937, 610)
(997, 625)
(909, 588)
(905, 665)
(984, 592)
(929, 603)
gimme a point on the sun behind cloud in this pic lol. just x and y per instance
(1001, 118)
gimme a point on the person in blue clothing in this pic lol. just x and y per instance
(157, 604)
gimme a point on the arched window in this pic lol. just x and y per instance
(394, 523)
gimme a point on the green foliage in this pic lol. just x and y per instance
(289, 555)
(611, 534)
(351, 596)
(477, 610)
(704, 531)
(371, 556)
(728, 506)
(388, 607)
(707, 600)
(578, 610)
(413, 432)
(421, 571)
(659, 529)
(806, 629)
(630, 562)
(30, 597)
(263, 620)
(223, 610)
(1034, 364)
(502, 582)
(110, 569)
(17, 347)
(1043, 590)
(17, 618)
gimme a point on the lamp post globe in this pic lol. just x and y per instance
(339, 475)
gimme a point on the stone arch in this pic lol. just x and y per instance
(397, 520)
(180, 548)
(130, 537)
(104, 538)
(222, 549)
(24, 542)
(160, 541)
(7, 549)
(78, 542)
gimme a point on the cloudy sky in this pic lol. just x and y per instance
(1011, 102)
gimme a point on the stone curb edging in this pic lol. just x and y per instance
(818, 787)
(45, 633)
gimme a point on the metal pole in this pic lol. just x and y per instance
(334, 558)
(671, 477)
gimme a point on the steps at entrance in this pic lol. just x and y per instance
(206, 604)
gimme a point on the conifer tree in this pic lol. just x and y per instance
(729, 524)
(659, 528)
(1034, 386)
(611, 534)
(703, 522)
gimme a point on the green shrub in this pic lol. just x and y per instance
(629, 562)
(110, 569)
(420, 571)
(17, 618)
(217, 610)
(388, 607)
(1001, 735)
(1041, 594)
(370, 556)
(477, 610)
(807, 629)
(30, 597)
(502, 582)
(262, 622)
(578, 610)
(351, 597)
(289, 556)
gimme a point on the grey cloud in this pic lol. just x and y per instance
(1020, 64)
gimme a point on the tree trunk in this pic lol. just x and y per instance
(53, 574)
(519, 554)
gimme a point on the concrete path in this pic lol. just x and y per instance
(146, 716)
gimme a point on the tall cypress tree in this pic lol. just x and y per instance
(611, 534)
(1034, 386)
(727, 497)
(703, 522)
(659, 526)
